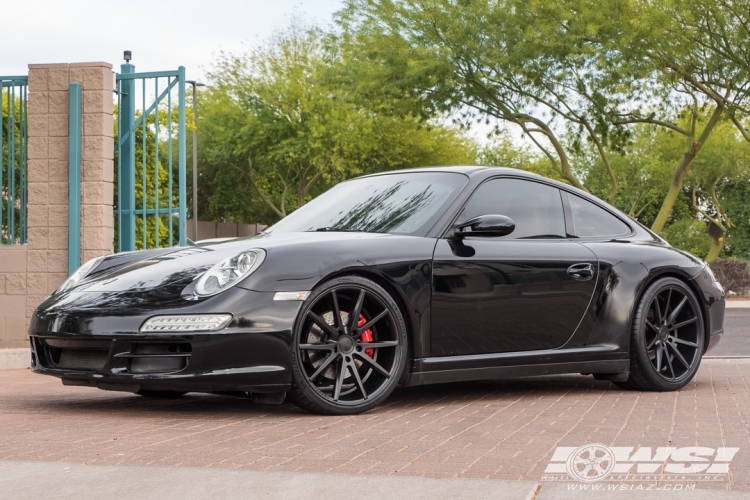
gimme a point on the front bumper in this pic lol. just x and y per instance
(104, 348)
(714, 304)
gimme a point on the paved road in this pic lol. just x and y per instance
(491, 431)
(736, 340)
(484, 440)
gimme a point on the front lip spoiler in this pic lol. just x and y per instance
(216, 381)
(122, 376)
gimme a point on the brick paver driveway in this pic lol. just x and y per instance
(502, 430)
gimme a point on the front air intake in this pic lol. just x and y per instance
(66, 354)
(157, 357)
(82, 359)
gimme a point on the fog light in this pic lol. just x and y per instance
(196, 323)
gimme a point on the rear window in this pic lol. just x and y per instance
(589, 220)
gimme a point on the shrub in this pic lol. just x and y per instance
(733, 274)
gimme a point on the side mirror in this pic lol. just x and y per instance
(486, 225)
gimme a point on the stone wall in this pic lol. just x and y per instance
(28, 273)
(211, 229)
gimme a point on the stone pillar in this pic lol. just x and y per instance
(97, 158)
(28, 274)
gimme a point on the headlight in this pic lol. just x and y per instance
(81, 273)
(229, 272)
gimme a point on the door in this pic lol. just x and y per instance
(525, 291)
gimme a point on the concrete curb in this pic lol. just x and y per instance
(14, 359)
(737, 304)
(34, 480)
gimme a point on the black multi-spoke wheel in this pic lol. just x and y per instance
(668, 336)
(349, 347)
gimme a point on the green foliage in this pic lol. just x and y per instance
(529, 64)
(579, 77)
(640, 103)
(502, 152)
(689, 235)
(157, 191)
(276, 128)
(10, 135)
(737, 198)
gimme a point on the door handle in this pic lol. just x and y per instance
(581, 271)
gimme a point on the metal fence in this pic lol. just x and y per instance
(13, 159)
(150, 202)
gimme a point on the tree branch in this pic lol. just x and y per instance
(251, 177)
(703, 212)
(310, 184)
(661, 123)
(612, 177)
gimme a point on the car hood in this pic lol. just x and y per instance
(178, 267)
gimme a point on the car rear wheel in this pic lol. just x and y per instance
(350, 347)
(667, 338)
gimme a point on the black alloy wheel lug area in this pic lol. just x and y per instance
(346, 344)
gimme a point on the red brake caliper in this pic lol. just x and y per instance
(366, 335)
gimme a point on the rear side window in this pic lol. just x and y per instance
(590, 220)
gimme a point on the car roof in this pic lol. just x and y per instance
(482, 172)
(468, 170)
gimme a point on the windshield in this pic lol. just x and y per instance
(394, 203)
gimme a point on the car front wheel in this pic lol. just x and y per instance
(350, 347)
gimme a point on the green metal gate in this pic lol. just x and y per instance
(13, 161)
(150, 202)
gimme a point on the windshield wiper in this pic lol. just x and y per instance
(339, 229)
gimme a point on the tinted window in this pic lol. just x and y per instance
(395, 203)
(535, 208)
(591, 221)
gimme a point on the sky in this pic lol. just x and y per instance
(162, 34)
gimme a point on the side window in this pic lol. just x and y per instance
(535, 208)
(591, 221)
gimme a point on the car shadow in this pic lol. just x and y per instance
(92, 401)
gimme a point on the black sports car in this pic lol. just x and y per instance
(412, 277)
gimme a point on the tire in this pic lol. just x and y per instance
(345, 367)
(667, 338)
(160, 394)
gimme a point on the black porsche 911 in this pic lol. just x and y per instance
(401, 278)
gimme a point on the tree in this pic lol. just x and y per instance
(276, 127)
(724, 165)
(502, 152)
(531, 64)
(566, 71)
(737, 200)
(642, 170)
(688, 58)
